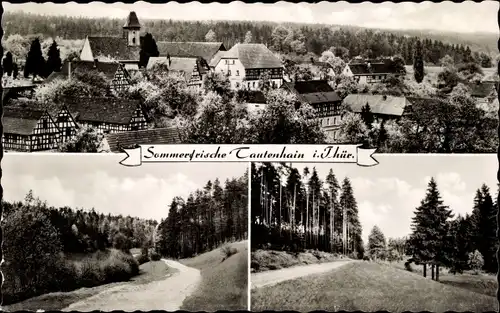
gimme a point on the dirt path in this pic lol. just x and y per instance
(269, 278)
(167, 294)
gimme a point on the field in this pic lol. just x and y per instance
(149, 272)
(369, 286)
(224, 282)
(264, 260)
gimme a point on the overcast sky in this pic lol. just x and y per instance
(467, 16)
(387, 194)
(100, 182)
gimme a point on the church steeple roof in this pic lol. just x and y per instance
(132, 21)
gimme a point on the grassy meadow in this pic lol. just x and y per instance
(224, 279)
(370, 286)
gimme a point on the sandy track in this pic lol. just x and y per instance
(269, 278)
(167, 294)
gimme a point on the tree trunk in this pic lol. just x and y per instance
(432, 272)
(425, 270)
(437, 272)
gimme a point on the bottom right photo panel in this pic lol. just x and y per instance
(413, 233)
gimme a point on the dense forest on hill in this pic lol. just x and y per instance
(305, 38)
(205, 220)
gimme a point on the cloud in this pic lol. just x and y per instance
(145, 197)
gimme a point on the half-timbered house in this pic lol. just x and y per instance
(28, 130)
(244, 65)
(116, 74)
(370, 71)
(106, 115)
(324, 100)
(192, 69)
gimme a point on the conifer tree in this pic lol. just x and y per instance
(430, 229)
(8, 65)
(35, 63)
(148, 49)
(418, 62)
(486, 226)
(353, 226)
(367, 116)
(376, 243)
(54, 62)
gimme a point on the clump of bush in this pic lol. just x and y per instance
(144, 256)
(155, 256)
(476, 261)
(228, 251)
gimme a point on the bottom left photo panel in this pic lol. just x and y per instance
(84, 233)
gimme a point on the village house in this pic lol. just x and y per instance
(244, 64)
(106, 115)
(26, 129)
(123, 49)
(116, 142)
(371, 71)
(115, 73)
(382, 107)
(483, 92)
(325, 101)
(192, 69)
(204, 50)
(254, 100)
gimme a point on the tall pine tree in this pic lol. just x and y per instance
(430, 228)
(148, 49)
(54, 62)
(353, 226)
(418, 62)
(35, 63)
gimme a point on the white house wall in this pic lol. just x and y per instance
(86, 53)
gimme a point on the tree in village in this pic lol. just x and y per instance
(248, 37)
(54, 62)
(86, 140)
(210, 36)
(148, 49)
(8, 64)
(430, 230)
(337, 63)
(418, 62)
(367, 116)
(376, 244)
(35, 63)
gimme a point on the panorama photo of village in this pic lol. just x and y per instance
(102, 77)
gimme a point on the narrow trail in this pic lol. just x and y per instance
(166, 295)
(269, 278)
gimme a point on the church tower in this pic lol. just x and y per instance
(132, 29)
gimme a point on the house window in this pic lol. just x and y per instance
(45, 124)
(237, 72)
(237, 85)
(225, 62)
(334, 121)
(253, 84)
(233, 62)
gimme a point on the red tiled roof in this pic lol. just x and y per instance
(251, 56)
(105, 110)
(130, 139)
(20, 120)
(113, 47)
(379, 104)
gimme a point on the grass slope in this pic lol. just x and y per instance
(224, 284)
(368, 286)
(149, 272)
(265, 260)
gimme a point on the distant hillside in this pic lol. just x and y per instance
(316, 37)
